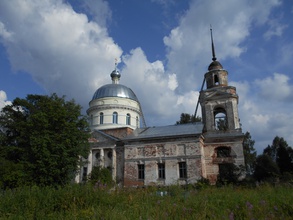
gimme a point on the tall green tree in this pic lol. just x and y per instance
(281, 153)
(249, 153)
(186, 118)
(265, 168)
(42, 137)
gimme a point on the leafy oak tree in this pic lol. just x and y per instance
(41, 141)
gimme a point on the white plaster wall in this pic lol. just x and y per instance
(172, 172)
(107, 106)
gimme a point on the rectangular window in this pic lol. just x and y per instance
(182, 170)
(141, 171)
(161, 170)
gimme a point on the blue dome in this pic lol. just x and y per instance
(114, 90)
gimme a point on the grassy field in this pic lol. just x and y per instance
(88, 202)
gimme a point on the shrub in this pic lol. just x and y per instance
(101, 176)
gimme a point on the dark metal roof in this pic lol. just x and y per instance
(167, 131)
(114, 90)
(215, 65)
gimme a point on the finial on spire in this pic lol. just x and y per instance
(213, 48)
(115, 75)
(116, 63)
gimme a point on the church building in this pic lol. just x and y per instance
(164, 155)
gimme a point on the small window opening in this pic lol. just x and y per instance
(216, 80)
(137, 121)
(161, 170)
(128, 119)
(141, 171)
(91, 119)
(182, 170)
(115, 118)
(101, 118)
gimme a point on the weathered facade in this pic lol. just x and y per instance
(163, 155)
(166, 155)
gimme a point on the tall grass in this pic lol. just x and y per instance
(88, 202)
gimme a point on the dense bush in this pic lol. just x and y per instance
(101, 176)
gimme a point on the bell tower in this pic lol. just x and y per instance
(219, 101)
(222, 132)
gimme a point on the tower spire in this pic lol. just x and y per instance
(213, 47)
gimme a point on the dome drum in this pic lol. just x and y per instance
(114, 106)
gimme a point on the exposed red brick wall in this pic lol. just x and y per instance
(130, 182)
(119, 132)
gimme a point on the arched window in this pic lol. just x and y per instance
(115, 118)
(128, 119)
(220, 121)
(216, 80)
(101, 118)
(137, 121)
(91, 120)
(223, 152)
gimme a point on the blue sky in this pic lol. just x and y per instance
(163, 48)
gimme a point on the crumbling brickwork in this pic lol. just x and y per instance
(169, 154)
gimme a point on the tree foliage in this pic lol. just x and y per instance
(101, 175)
(265, 168)
(186, 118)
(229, 173)
(41, 140)
(221, 124)
(281, 154)
(249, 153)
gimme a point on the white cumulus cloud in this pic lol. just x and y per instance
(3, 99)
(62, 50)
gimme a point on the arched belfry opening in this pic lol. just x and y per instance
(220, 119)
(216, 80)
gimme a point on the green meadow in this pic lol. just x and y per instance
(174, 202)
